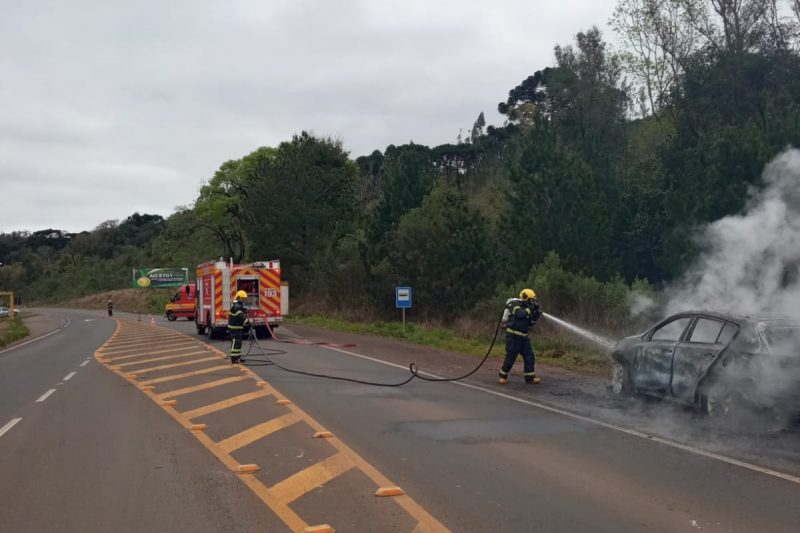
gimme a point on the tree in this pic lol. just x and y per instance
(301, 202)
(589, 103)
(658, 41)
(407, 176)
(219, 209)
(555, 203)
(529, 99)
(477, 128)
(220, 206)
(442, 249)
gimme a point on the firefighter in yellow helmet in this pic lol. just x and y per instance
(237, 317)
(518, 320)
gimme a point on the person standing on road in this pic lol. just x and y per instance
(518, 320)
(236, 321)
(110, 307)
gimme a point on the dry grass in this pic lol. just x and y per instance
(128, 300)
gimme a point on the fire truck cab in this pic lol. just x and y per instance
(217, 285)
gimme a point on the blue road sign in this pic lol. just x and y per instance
(403, 297)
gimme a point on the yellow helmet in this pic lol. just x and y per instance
(527, 294)
(241, 295)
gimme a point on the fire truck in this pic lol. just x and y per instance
(217, 285)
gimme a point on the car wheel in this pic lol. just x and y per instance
(620, 381)
(717, 401)
(171, 316)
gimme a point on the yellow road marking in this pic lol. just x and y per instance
(175, 365)
(149, 340)
(164, 358)
(185, 375)
(202, 386)
(137, 337)
(312, 477)
(278, 496)
(248, 436)
(142, 347)
(158, 352)
(224, 404)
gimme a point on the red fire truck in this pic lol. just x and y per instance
(217, 285)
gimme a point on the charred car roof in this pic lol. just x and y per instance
(732, 317)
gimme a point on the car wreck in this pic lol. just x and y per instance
(717, 362)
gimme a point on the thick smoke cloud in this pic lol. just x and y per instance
(751, 260)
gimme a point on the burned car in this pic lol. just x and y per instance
(717, 362)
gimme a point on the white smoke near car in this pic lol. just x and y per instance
(750, 265)
(751, 260)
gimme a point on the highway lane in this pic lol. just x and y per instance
(96, 455)
(482, 462)
(28, 371)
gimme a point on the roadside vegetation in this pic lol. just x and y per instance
(151, 301)
(590, 191)
(12, 330)
(551, 347)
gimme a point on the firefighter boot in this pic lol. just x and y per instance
(502, 378)
(534, 380)
(234, 359)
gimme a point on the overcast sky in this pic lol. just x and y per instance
(110, 107)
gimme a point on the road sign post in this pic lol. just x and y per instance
(402, 301)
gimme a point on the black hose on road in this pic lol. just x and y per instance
(265, 359)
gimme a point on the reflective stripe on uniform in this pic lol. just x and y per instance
(235, 327)
(515, 332)
(529, 374)
(504, 374)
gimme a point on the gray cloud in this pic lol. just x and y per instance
(112, 107)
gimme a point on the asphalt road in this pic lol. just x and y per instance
(98, 455)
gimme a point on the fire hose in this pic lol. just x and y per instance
(265, 359)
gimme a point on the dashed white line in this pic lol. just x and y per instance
(85, 363)
(69, 376)
(5, 429)
(44, 396)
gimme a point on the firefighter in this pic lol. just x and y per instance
(110, 307)
(237, 319)
(518, 320)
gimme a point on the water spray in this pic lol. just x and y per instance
(597, 339)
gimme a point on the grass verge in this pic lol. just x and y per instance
(550, 349)
(12, 330)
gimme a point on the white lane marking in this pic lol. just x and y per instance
(5, 429)
(632, 432)
(20, 345)
(69, 376)
(44, 396)
(84, 363)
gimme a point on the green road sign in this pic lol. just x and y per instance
(159, 277)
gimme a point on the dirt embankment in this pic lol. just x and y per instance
(128, 300)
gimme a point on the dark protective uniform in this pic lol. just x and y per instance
(236, 320)
(519, 318)
(110, 308)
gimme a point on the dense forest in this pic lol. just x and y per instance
(607, 163)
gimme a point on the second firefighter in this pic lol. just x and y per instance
(237, 318)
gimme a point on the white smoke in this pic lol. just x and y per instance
(752, 260)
